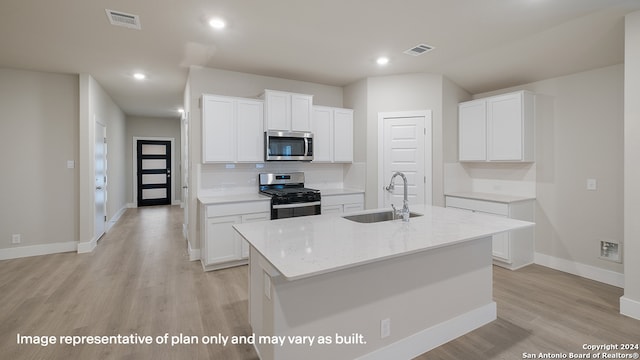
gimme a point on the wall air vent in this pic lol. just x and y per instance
(118, 18)
(419, 50)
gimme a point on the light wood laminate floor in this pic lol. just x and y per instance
(139, 281)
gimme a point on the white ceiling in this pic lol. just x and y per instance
(481, 45)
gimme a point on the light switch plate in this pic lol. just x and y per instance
(592, 184)
(71, 164)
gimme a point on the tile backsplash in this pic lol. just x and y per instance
(242, 178)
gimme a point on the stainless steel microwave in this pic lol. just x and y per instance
(288, 146)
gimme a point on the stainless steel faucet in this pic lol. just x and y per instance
(405, 203)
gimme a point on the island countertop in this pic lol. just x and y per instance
(306, 246)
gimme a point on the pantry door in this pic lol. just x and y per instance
(405, 146)
(153, 172)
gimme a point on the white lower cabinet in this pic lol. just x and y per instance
(222, 247)
(248, 219)
(341, 204)
(513, 249)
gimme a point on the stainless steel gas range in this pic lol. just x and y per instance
(289, 197)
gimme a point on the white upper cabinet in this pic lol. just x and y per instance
(322, 134)
(332, 134)
(343, 135)
(218, 129)
(497, 128)
(232, 129)
(473, 130)
(286, 111)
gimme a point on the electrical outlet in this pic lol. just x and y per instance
(610, 250)
(16, 239)
(385, 328)
(592, 184)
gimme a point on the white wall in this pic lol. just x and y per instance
(137, 126)
(221, 82)
(630, 302)
(579, 135)
(38, 135)
(97, 105)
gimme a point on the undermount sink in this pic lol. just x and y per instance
(377, 217)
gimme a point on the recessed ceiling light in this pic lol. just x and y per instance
(382, 60)
(139, 76)
(217, 24)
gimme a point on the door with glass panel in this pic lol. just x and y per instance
(154, 172)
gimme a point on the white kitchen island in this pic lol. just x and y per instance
(386, 290)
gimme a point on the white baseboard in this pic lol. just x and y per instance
(194, 254)
(437, 335)
(115, 218)
(87, 247)
(131, 205)
(37, 250)
(629, 307)
(582, 270)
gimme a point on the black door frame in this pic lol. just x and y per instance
(168, 158)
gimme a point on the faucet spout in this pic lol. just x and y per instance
(405, 202)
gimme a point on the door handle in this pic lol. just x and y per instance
(99, 188)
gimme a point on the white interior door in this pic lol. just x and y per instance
(185, 173)
(405, 147)
(100, 194)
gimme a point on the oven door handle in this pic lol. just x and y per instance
(296, 205)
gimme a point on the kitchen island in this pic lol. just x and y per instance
(327, 287)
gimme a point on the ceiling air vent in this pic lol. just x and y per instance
(419, 49)
(119, 18)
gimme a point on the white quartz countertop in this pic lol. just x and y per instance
(312, 245)
(501, 198)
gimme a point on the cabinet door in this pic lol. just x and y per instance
(250, 134)
(504, 126)
(343, 135)
(501, 248)
(301, 106)
(278, 110)
(244, 245)
(322, 134)
(222, 244)
(218, 129)
(472, 130)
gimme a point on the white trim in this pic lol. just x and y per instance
(582, 270)
(194, 254)
(437, 335)
(135, 166)
(37, 250)
(114, 219)
(428, 150)
(630, 307)
(87, 247)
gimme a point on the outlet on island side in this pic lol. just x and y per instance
(16, 238)
(385, 328)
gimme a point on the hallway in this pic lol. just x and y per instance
(138, 280)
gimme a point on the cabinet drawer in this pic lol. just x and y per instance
(478, 205)
(239, 208)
